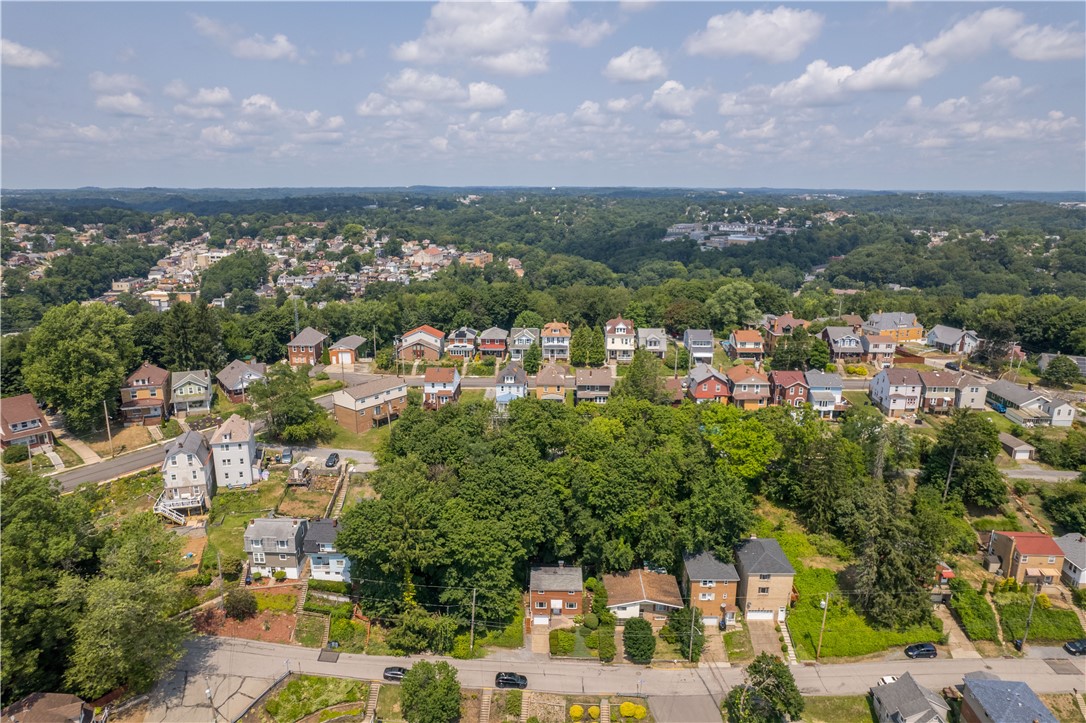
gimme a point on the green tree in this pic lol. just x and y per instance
(689, 638)
(1066, 504)
(533, 358)
(769, 694)
(430, 693)
(579, 346)
(818, 353)
(528, 320)
(12, 348)
(965, 451)
(733, 304)
(240, 604)
(597, 349)
(1061, 372)
(638, 640)
(291, 415)
(741, 443)
(76, 358)
(191, 338)
(642, 380)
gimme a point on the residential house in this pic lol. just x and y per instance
(422, 342)
(191, 392)
(233, 449)
(845, 344)
(49, 708)
(1073, 546)
(515, 266)
(1015, 448)
(461, 342)
(642, 593)
(777, 327)
(712, 587)
(706, 384)
(788, 388)
(21, 422)
(906, 701)
(652, 340)
(1027, 556)
(493, 342)
(275, 543)
(556, 591)
(938, 391)
(362, 407)
(235, 379)
(745, 345)
(898, 325)
(307, 348)
(429, 256)
(620, 339)
(440, 386)
(896, 391)
(157, 298)
(145, 396)
(556, 337)
(826, 393)
(1029, 407)
(188, 478)
(953, 341)
(550, 383)
(765, 579)
(878, 350)
(854, 321)
(520, 339)
(1042, 362)
(345, 351)
(699, 345)
(987, 699)
(477, 259)
(512, 383)
(326, 562)
(593, 385)
(971, 392)
(749, 388)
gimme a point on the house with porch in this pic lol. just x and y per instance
(326, 562)
(749, 388)
(652, 340)
(145, 396)
(953, 341)
(706, 384)
(711, 586)
(620, 340)
(556, 337)
(896, 392)
(364, 406)
(745, 345)
(191, 392)
(699, 345)
(233, 450)
(970, 392)
(520, 340)
(788, 388)
(845, 345)
(826, 393)
(878, 350)
(938, 391)
(593, 385)
(276, 543)
(234, 380)
(307, 348)
(550, 383)
(422, 342)
(22, 422)
(642, 594)
(1031, 557)
(345, 352)
(765, 580)
(461, 343)
(440, 386)
(493, 342)
(776, 327)
(512, 384)
(1029, 407)
(188, 478)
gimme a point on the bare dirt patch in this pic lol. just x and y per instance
(124, 439)
(266, 626)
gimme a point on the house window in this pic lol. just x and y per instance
(763, 577)
(763, 591)
(1051, 559)
(707, 583)
(256, 543)
(194, 474)
(706, 596)
(571, 606)
(541, 605)
(173, 477)
(723, 596)
(132, 394)
(281, 544)
(154, 392)
(282, 557)
(258, 558)
(227, 475)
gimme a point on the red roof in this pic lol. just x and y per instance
(787, 378)
(440, 375)
(428, 329)
(747, 335)
(154, 375)
(22, 408)
(1034, 543)
(744, 373)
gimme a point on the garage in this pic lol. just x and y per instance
(759, 614)
(711, 622)
(543, 620)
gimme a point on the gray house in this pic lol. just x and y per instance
(699, 345)
(906, 701)
(191, 392)
(520, 339)
(765, 579)
(987, 698)
(275, 543)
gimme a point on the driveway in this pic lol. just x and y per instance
(958, 645)
(763, 637)
(684, 708)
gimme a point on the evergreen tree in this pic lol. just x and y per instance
(965, 450)
(191, 338)
(533, 358)
(597, 349)
(580, 346)
(769, 694)
(638, 640)
(642, 380)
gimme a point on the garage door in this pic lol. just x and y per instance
(711, 622)
(759, 614)
(541, 620)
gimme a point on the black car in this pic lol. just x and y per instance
(510, 680)
(921, 650)
(332, 461)
(1076, 647)
(395, 673)
(954, 366)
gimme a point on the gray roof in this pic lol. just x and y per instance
(644, 335)
(200, 376)
(231, 376)
(1074, 548)
(351, 342)
(550, 375)
(1008, 701)
(517, 370)
(494, 332)
(891, 320)
(307, 337)
(703, 371)
(274, 528)
(234, 429)
(317, 532)
(758, 556)
(374, 386)
(816, 378)
(188, 443)
(1014, 393)
(699, 335)
(594, 377)
(1009, 440)
(898, 377)
(518, 330)
(947, 334)
(465, 333)
(838, 332)
(1042, 363)
(707, 566)
(556, 578)
(910, 700)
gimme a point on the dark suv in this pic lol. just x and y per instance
(332, 461)
(921, 650)
(394, 674)
(510, 680)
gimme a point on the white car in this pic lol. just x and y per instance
(887, 679)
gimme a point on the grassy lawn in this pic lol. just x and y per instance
(275, 601)
(1053, 624)
(309, 693)
(125, 496)
(512, 636)
(838, 709)
(366, 441)
(67, 456)
(221, 404)
(302, 502)
(310, 630)
(738, 645)
(326, 386)
(231, 511)
(856, 397)
(1001, 423)
(470, 395)
(124, 439)
(388, 704)
(1063, 706)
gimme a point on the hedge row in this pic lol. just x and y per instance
(976, 615)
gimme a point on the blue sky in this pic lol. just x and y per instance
(897, 95)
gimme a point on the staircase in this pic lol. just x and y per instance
(169, 514)
(524, 708)
(301, 598)
(341, 495)
(484, 706)
(788, 641)
(605, 710)
(371, 703)
(327, 630)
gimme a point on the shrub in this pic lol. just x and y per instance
(533, 719)
(278, 603)
(592, 640)
(203, 579)
(1043, 602)
(638, 640)
(576, 712)
(16, 453)
(1079, 596)
(257, 577)
(976, 615)
(594, 712)
(640, 712)
(340, 588)
(591, 621)
(830, 368)
(514, 700)
(626, 710)
(562, 642)
(240, 604)
(607, 650)
(1051, 624)
(279, 575)
(784, 648)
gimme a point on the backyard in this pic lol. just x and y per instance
(231, 511)
(306, 694)
(1049, 624)
(124, 439)
(368, 441)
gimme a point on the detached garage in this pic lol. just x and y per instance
(1015, 448)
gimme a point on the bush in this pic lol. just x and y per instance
(279, 575)
(626, 710)
(856, 370)
(257, 577)
(592, 640)
(607, 649)
(16, 453)
(203, 579)
(591, 621)
(562, 642)
(514, 700)
(240, 604)
(976, 615)
(638, 640)
(640, 712)
(784, 649)
(576, 712)
(1079, 596)
(830, 369)
(594, 712)
(340, 588)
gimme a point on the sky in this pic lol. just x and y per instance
(876, 95)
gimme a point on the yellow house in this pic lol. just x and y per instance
(897, 325)
(550, 383)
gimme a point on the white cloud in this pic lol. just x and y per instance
(176, 89)
(589, 114)
(520, 62)
(218, 95)
(253, 47)
(211, 28)
(113, 84)
(197, 112)
(439, 143)
(735, 104)
(674, 99)
(673, 127)
(16, 55)
(974, 35)
(346, 57)
(636, 65)
(515, 121)
(635, 6)
(624, 105)
(820, 84)
(776, 36)
(484, 96)
(902, 69)
(1048, 43)
(123, 104)
(766, 130)
(380, 106)
(261, 105)
(220, 137)
(999, 85)
(411, 83)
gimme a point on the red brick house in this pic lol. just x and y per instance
(788, 388)
(422, 342)
(780, 326)
(145, 396)
(555, 592)
(307, 348)
(705, 384)
(21, 422)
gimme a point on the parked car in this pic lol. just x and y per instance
(921, 650)
(510, 680)
(288, 456)
(332, 461)
(1076, 647)
(395, 673)
(954, 366)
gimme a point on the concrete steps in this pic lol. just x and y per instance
(341, 495)
(523, 718)
(605, 710)
(484, 706)
(792, 660)
(371, 703)
(302, 593)
(327, 630)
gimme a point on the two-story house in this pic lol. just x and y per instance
(826, 393)
(21, 422)
(953, 341)
(1073, 546)
(556, 337)
(191, 392)
(188, 478)
(593, 385)
(898, 325)
(878, 350)
(307, 348)
(1031, 557)
(520, 340)
(556, 591)
(275, 543)
(145, 396)
(511, 384)
(777, 327)
(787, 388)
(652, 340)
(896, 391)
(745, 345)
(970, 392)
(345, 351)
(461, 343)
(706, 384)
(620, 339)
(712, 587)
(233, 449)
(319, 545)
(765, 579)
(699, 345)
(845, 344)
(938, 390)
(905, 701)
(422, 342)
(236, 378)
(440, 386)
(550, 384)
(749, 388)
(987, 699)
(370, 404)
(493, 342)
(1029, 407)
(649, 595)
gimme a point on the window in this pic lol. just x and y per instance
(571, 606)
(541, 605)
(723, 596)
(256, 543)
(763, 577)
(154, 392)
(282, 557)
(173, 477)
(708, 583)
(132, 394)
(1051, 559)
(763, 591)
(227, 475)
(188, 458)
(706, 596)
(281, 544)
(258, 558)
(194, 474)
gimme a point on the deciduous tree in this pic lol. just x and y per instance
(430, 693)
(1061, 372)
(769, 694)
(638, 640)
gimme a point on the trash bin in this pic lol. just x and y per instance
(1018, 645)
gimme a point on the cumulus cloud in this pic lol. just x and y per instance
(411, 83)
(120, 83)
(484, 96)
(624, 105)
(674, 99)
(261, 105)
(220, 137)
(775, 36)
(380, 106)
(252, 47)
(197, 112)
(589, 114)
(123, 104)
(16, 55)
(176, 89)
(636, 65)
(1047, 43)
(212, 96)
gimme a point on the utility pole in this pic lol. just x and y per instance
(825, 610)
(690, 647)
(218, 560)
(949, 472)
(105, 413)
(472, 645)
(1029, 618)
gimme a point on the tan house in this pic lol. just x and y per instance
(712, 587)
(1027, 556)
(306, 348)
(556, 591)
(593, 385)
(897, 325)
(749, 389)
(145, 396)
(345, 351)
(642, 593)
(765, 579)
(550, 383)
(556, 337)
(21, 422)
(370, 404)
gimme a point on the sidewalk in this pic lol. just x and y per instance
(88, 455)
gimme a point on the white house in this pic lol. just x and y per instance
(619, 339)
(652, 340)
(275, 543)
(699, 345)
(233, 448)
(512, 383)
(187, 479)
(953, 341)
(1029, 407)
(896, 391)
(1074, 559)
(325, 561)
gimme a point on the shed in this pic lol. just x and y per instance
(1015, 448)
(300, 473)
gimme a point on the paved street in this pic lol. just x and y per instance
(1034, 472)
(110, 468)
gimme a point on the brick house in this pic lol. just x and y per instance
(898, 325)
(777, 327)
(370, 404)
(555, 591)
(493, 341)
(711, 586)
(705, 384)
(1027, 556)
(550, 384)
(345, 351)
(787, 388)
(306, 348)
(145, 396)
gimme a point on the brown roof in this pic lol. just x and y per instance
(22, 408)
(550, 375)
(599, 377)
(786, 378)
(743, 373)
(48, 708)
(639, 585)
(939, 378)
(747, 335)
(556, 328)
(154, 375)
(902, 377)
(440, 375)
(777, 325)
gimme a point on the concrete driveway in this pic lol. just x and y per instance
(763, 637)
(958, 645)
(684, 708)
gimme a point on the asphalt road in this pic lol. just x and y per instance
(110, 468)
